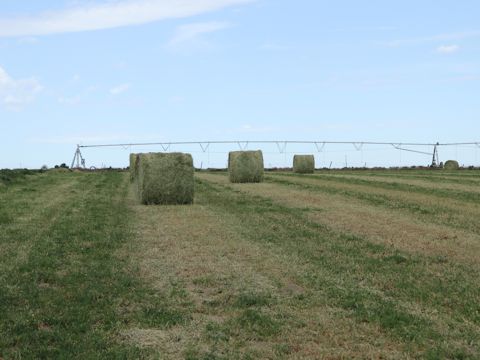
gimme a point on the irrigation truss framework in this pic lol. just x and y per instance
(79, 161)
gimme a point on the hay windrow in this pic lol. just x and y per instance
(165, 179)
(245, 166)
(451, 165)
(304, 164)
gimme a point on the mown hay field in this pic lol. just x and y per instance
(335, 265)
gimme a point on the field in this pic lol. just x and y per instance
(335, 265)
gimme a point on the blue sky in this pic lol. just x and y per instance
(193, 70)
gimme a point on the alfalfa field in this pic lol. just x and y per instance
(337, 265)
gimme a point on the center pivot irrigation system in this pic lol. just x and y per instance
(79, 161)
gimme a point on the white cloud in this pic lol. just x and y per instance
(117, 90)
(16, 93)
(448, 49)
(108, 15)
(190, 32)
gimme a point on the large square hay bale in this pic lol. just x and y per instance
(165, 179)
(304, 164)
(132, 165)
(245, 166)
(451, 165)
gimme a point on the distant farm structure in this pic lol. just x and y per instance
(280, 153)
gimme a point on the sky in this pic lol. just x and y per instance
(128, 71)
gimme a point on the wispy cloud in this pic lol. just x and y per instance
(119, 89)
(108, 15)
(448, 49)
(191, 32)
(439, 38)
(16, 93)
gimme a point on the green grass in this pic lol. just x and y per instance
(66, 289)
(256, 278)
(249, 299)
(465, 196)
(431, 212)
(403, 278)
(8, 177)
(431, 177)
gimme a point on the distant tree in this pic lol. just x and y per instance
(61, 166)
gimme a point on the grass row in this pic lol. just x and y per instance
(443, 178)
(66, 290)
(410, 172)
(462, 195)
(430, 212)
(375, 283)
(69, 288)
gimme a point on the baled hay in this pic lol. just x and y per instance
(451, 165)
(133, 161)
(245, 166)
(304, 164)
(165, 179)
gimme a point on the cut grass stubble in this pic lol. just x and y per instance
(394, 304)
